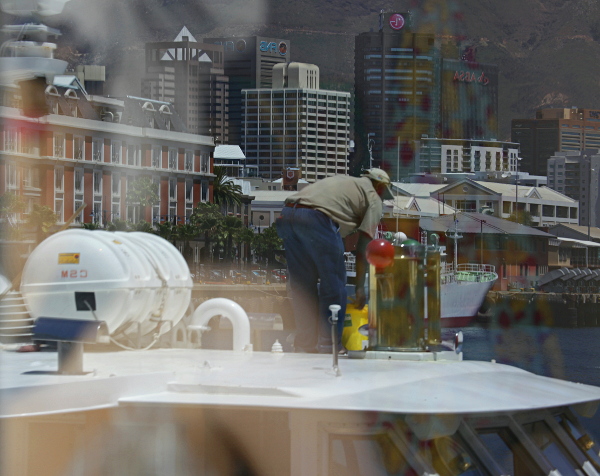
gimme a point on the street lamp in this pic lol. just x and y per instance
(260, 219)
(370, 143)
(589, 199)
(481, 234)
(517, 191)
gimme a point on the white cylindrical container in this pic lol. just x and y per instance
(130, 279)
(172, 299)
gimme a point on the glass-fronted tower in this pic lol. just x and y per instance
(397, 94)
(296, 125)
(249, 64)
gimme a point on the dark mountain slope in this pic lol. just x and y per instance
(547, 50)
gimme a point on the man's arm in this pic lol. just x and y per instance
(361, 269)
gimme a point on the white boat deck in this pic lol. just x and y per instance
(261, 380)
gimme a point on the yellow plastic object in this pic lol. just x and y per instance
(351, 337)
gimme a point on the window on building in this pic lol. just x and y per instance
(59, 145)
(116, 152)
(59, 208)
(204, 162)
(189, 160)
(11, 175)
(133, 155)
(98, 150)
(78, 180)
(173, 159)
(28, 141)
(173, 200)
(157, 157)
(97, 182)
(59, 179)
(79, 148)
(548, 210)
(204, 191)
(116, 184)
(172, 188)
(189, 187)
(156, 206)
(466, 205)
(11, 138)
(31, 177)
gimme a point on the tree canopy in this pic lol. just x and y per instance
(143, 191)
(225, 192)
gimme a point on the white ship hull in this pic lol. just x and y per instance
(461, 300)
(464, 291)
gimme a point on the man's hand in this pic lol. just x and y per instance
(360, 298)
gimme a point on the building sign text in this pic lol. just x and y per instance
(471, 77)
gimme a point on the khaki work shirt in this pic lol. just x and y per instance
(351, 202)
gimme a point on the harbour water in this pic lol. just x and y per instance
(568, 353)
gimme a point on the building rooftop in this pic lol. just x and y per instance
(578, 229)
(418, 189)
(226, 152)
(472, 223)
(274, 196)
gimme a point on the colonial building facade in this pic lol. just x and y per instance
(89, 149)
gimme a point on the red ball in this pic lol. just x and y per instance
(380, 253)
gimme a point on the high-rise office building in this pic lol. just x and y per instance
(296, 125)
(469, 105)
(397, 96)
(577, 175)
(405, 91)
(248, 63)
(190, 75)
(555, 130)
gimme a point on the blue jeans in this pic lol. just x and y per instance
(315, 254)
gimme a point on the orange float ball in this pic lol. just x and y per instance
(380, 253)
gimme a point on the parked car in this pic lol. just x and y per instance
(217, 276)
(259, 276)
(279, 275)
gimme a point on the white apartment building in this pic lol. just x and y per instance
(435, 155)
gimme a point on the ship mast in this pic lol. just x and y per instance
(454, 235)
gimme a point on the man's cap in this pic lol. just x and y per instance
(380, 175)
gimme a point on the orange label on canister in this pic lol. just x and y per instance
(68, 258)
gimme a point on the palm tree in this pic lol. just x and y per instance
(243, 236)
(186, 233)
(225, 192)
(166, 230)
(266, 243)
(209, 220)
(230, 226)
